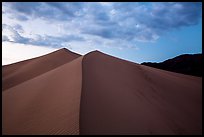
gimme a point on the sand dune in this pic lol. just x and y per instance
(25, 70)
(120, 97)
(98, 94)
(46, 104)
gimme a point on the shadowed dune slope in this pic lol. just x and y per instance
(46, 104)
(19, 72)
(120, 97)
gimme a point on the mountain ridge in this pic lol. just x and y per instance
(189, 64)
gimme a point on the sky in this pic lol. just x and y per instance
(134, 31)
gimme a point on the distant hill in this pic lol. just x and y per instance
(190, 64)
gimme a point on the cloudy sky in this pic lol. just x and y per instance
(137, 32)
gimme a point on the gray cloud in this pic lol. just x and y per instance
(128, 21)
(14, 35)
(50, 10)
(18, 27)
(144, 22)
(54, 41)
(5, 38)
(175, 15)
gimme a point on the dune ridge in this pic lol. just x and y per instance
(98, 94)
(120, 97)
(40, 105)
(25, 70)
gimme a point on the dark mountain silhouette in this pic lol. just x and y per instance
(190, 64)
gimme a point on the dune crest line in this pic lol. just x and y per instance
(121, 97)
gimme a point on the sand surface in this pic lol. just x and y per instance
(17, 73)
(46, 104)
(65, 93)
(120, 97)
